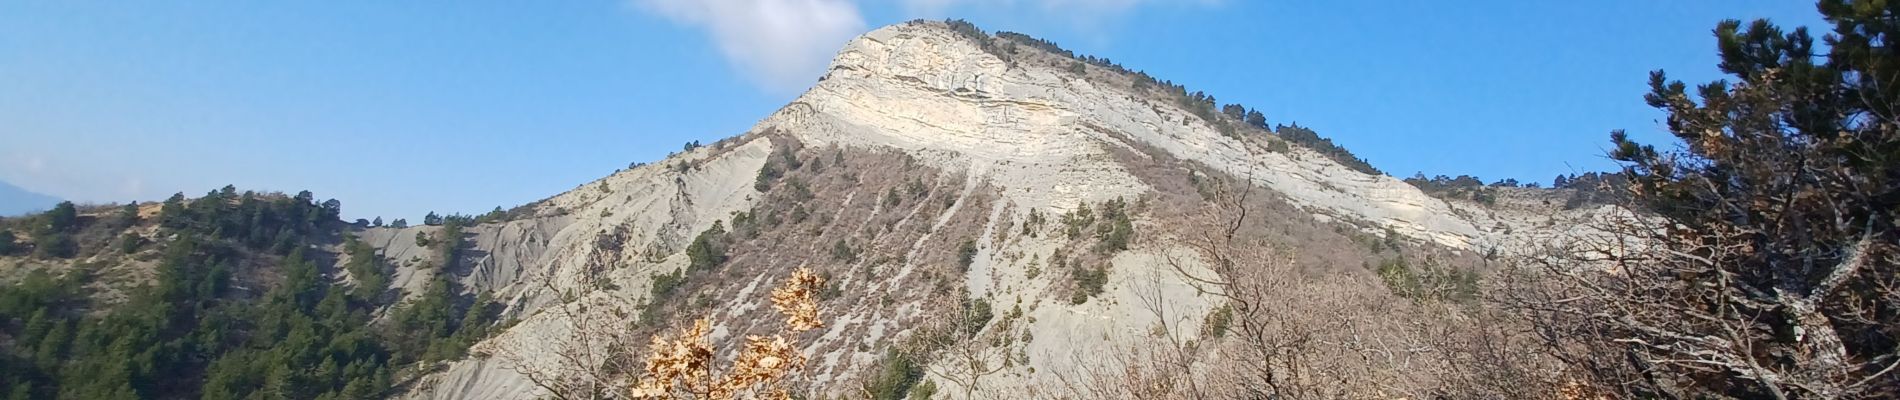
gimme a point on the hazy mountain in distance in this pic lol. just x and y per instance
(15, 200)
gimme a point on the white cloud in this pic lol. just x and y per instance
(132, 187)
(784, 45)
(34, 164)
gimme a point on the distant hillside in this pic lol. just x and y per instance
(232, 295)
(16, 201)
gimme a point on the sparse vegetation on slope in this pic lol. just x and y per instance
(830, 219)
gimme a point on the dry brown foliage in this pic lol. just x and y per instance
(683, 364)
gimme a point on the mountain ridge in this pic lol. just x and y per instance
(1007, 143)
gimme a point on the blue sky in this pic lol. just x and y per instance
(406, 107)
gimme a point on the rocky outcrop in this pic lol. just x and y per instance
(923, 88)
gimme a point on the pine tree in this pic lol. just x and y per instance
(1256, 119)
(1776, 223)
(6, 242)
(128, 215)
(172, 213)
(62, 217)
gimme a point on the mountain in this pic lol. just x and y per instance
(16, 201)
(971, 215)
(937, 176)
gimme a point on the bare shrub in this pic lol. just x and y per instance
(1295, 335)
(597, 357)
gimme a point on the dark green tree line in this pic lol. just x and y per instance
(235, 310)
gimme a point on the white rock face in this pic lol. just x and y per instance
(1040, 132)
(653, 210)
(1042, 137)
